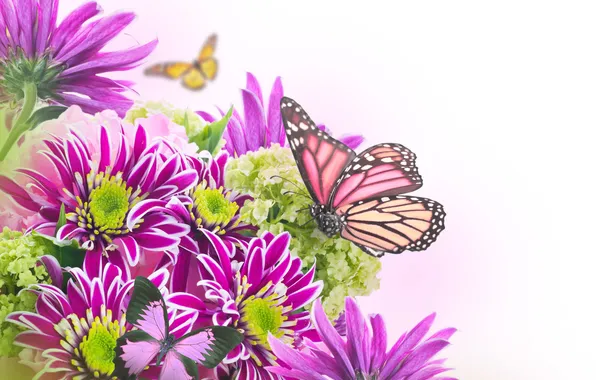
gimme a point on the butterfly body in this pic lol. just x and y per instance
(360, 196)
(327, 220)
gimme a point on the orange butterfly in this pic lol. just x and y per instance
(195, 74)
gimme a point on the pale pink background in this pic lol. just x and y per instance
(492, 96)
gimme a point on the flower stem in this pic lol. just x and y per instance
(21, 126)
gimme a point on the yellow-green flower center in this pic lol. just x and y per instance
(212, 206)
(109, 203)
(97, 348)
(262, 316)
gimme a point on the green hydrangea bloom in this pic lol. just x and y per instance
(192, 122)
(343, 267)
(19, 256)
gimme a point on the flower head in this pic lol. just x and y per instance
(264, 293)
(260, 127)
(64, 60)
(209, 206)
(76, 332)
(19, 268)
(341, 265)
(103, 193)
(362, 354)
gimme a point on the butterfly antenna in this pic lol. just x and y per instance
(294, 192)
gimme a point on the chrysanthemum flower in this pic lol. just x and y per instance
(260, 127)
(64, 60)
(263, 294)
(362, 354)
(207, 207)
(102, 195)
(75, 332)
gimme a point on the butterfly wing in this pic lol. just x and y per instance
(147, 309)
(172, 70)
(392, 224)
(208, 346)
(381, 170)
(320, 158)
(135, 350)
(178, 367)
(194, 79)
(207, 63)
(208, 48)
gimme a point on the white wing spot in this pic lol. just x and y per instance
(297, 109)
(385, 199)
(366, 167)
(301, 140)
(369, 157)
(387, 159)
(296, 141)
(303, 126)
(356, 159)
(294, 128)
(357, 166)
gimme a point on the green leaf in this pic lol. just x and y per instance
(61, 219)
(226, 339)
(44, 114)
(67, 252)
(190, 366)
(210, 136)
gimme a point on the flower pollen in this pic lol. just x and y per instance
(213, 207)
(108, 204)
(261, 317)
(97, 349)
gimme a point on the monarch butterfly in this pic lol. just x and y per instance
(195, 74)
(360, 196)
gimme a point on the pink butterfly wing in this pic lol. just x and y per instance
(197, 346)
(320, 158)
(152, 320)
(173, 368)
(138, 355)
(382, 170)
(392, 224)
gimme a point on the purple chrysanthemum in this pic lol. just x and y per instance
(260, 127)
(103, 194)
(262, 294)
(209, 206)
(363, 355)
(64, 60)
(75, 333)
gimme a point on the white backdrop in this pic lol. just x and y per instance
(496, 98)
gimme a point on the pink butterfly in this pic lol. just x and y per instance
(151, 341)
(359, 196)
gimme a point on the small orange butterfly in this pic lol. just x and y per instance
(195, 74)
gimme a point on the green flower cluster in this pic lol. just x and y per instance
(19, 268)
(192, 122)
(343, 267)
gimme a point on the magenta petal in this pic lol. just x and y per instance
(379, 341)
(53, 268)
(113, 61)
(358, 335)
(35, 340)
(274, 122)
(254, 121)
(305, 295)
(72, 22)
(186, 301)
(141, 209)
(299, 361)
(422, 354)
(154, 240)
(276, 249)
(352, 141)
(213, 268)
(19, 195)
(252, 85)
(106, 150)
(444, 334)
(332, 339)
(131, 249)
